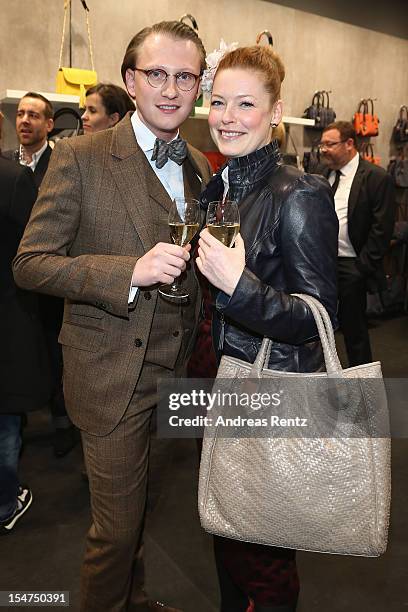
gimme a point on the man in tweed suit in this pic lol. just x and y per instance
(98, 237)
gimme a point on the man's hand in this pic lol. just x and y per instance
(222, 266)
(162, 264)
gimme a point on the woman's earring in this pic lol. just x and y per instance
(274, 125)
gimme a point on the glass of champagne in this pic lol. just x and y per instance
(223, 221)
(184, 221)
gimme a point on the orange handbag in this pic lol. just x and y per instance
(365, 123)
(367, 153)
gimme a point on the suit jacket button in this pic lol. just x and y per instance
(176, 333)
(138, 342)
(147, 295)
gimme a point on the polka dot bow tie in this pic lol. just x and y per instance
(163, 151)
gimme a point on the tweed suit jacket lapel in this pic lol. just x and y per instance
(137, 182)
(128, 167)
(191, 174)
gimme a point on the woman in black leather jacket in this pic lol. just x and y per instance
(287, 244)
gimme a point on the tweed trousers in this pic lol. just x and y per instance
(112, 577)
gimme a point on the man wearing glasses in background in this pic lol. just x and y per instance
(99, 237)
(365, 205)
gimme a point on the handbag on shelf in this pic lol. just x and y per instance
(320, 110)
(267, 35)
(313, 111)
(327, 113)
(311, 160)
(75, 81)
(366, 123)
(60, 129)
(400, 131)
(398, 168)
(367, 153)
(321, 494)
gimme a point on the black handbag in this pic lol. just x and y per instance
(67, 122)
(398, 168)
(311, 161)
(400, 131)
(320, 110)
(327, 114)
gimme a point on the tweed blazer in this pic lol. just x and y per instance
(95, 216)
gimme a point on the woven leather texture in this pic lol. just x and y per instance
(328, 494)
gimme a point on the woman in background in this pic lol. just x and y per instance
(288, 244)
(105, 105)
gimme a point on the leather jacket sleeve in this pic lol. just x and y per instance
(306, 235)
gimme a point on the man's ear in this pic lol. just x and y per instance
(50, 125)
(130, 82)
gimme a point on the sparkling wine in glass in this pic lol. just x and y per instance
(184, 221)
(223, 221)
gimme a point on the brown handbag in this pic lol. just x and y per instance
(365, 122)
(367, 153)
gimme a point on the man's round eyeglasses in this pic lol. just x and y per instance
(329, 145)
(156, 77)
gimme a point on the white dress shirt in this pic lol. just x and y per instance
(341, 200)
(170, 176)
(35, 158)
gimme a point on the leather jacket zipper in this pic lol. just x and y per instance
(222, 333)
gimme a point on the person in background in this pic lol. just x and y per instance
(99, 237)
(287, 244)
(34, 122)
(105, 105)
(24, 374)
(365, 203)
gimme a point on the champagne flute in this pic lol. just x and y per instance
(223, 221)
(184, 221)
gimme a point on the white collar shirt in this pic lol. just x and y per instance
(341, 200)
(35, 158)
(171, 175)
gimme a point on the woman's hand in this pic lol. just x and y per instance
(221, 265)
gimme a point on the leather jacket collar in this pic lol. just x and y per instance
(243, 173)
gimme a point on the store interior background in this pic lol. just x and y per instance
(326, 48)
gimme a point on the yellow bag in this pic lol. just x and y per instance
(75, 81)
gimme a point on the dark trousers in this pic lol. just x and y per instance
(352, 287)
(51, 312)
(10, 444)
(265, 575)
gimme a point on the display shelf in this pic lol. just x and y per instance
(13, 96)
(201, 112)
